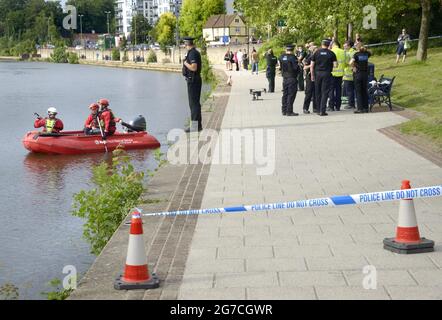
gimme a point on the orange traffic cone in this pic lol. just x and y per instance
(136, 274)
(408, 239)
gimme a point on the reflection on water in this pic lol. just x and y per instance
(38, 234)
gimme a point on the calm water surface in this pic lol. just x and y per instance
(38, 235)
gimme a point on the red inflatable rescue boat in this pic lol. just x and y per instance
(76, 142)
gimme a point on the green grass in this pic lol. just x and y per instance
(417, 86)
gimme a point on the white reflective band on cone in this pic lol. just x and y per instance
(407, 214)
(136, 255)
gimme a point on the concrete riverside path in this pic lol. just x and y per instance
(312, 253)
(290, 254)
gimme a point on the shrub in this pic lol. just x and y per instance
(207, 73)
(73, 58)
(118, 188)
(125, 57)
(116, 55)
(59, 55)
(152, 57)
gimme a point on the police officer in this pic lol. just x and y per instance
(323, 62)
(310, 85)
(192, 73)
(272, 61)
(335, 95)
(290, 70)
(300, 55)
(360, 75)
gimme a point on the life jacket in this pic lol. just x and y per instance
(348, 70)
(340, 56)
(50, 125)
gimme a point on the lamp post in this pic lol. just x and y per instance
(108, 23)
(81, 29)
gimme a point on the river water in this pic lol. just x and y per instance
(38, 235)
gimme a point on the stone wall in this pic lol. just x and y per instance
(216, 55)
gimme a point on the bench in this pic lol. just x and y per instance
(379, 92)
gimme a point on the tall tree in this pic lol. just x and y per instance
(195, 13)
(140, 29)
(95, 17)
(423, 35)
(165, 30)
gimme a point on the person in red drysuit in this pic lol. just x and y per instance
(107, 116)
(50, 124)
(91, 126)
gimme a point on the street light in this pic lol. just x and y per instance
(49, 33)
(108, 23)
(81, 29)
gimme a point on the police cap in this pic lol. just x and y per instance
(188, 40)
(326, 42)
(290, 47)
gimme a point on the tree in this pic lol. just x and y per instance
(95, 17)
(423, 35)
(141, 28)
(195, 13)
(165, 30)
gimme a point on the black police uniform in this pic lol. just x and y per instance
(323, 59)
(310, 87)
(301, 55)
(271, 71)
(290, 70)
(194, 86)
(361, 80)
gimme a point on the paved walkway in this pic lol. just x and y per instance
(320, 253)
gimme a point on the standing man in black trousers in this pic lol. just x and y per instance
(310, 85)
(321, 67)
(360, 75)
(290, 70)
(192, 73)
(272, 61)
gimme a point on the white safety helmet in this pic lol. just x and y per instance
(52, 110)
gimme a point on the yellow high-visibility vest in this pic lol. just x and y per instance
(340, 55)
(348, 70)
(50, 124)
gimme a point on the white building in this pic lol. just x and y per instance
(151, 9)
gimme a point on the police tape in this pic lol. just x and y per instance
(336, 201)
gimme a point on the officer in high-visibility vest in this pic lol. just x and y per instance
(290, 70)
(50, 124)
(349, 84)
(322, 64)
(335, 94)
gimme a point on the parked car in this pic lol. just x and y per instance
(79, 47)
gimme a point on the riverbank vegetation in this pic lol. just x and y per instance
(118, 189)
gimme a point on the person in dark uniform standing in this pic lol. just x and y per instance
(322, 64)
(272, 61)
(192, 73)
(360, 75)
(310, 85)
(300, 55)
(290, 70)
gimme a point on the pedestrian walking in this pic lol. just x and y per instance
(323, 62)
(290, 69)
(227, 60)
(272, 61)
(192, 73)
(360, 75)
(255, 62)
(403, 45)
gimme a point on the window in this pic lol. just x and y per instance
(237, 30)
(237, 20)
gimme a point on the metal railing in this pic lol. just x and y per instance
(395, 42)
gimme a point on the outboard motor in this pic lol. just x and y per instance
(137, 125)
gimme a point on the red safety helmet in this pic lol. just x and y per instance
(104, 102)
(94, 106)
